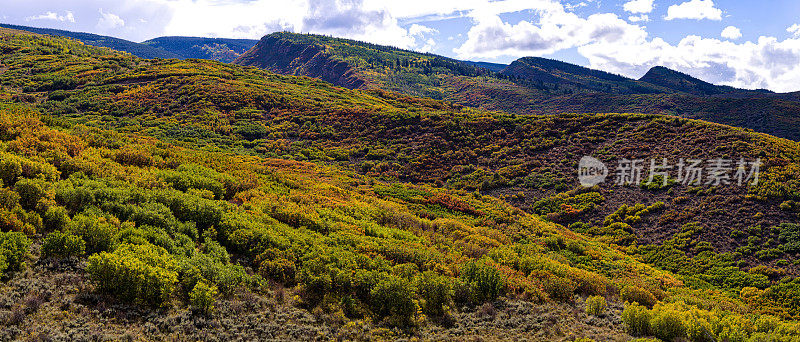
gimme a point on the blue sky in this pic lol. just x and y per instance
(751, 44)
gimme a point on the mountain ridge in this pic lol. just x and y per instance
(298, 59)
(550, 71)
(683, 82)
(529, 86)
(136, 49)
(220, 49)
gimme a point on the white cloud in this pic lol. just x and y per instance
(767, 63)
(420, 30)
(639, 18)
(573, 7)
(67, 17)
(694, 9)
(366, 20)
(638, 6)
(250, 19)
(731, 32)
(427, 46)
(109, 21)
(555, 30)
(794, 29)
(612, 44)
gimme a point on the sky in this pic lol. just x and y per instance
(747, 44)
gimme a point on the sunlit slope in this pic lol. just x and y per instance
(727, 239)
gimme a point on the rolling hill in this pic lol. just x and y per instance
(531, 86)
(166, 197)
(218, 49)
(384, 134)
(545, 72)
(118, 44)
(496, 67)
(353, 64)
(681, 82)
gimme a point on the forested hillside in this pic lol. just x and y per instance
(140, 50)
(529, 86)
(200, 200)
(543, 72)
(679, 81)
(218, 49)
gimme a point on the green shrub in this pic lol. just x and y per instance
(658, 183)
(576, 247)
(10, 169)
(193, 176)
(144, 235)
(280, 270)
(790, 236)
(20, 220)
(62, 245)
(635, 294)
(215, 251)
(55, 218)
(130, 156)
(766, 323)
(435, 292)
(392, 299)
(699, 330)
(461, 292)
(13, 167)
(97, 232)
(406, 270)
(667, 325)
(596, 305)
(196, 269)
(143, 274)
(636, 319)
(486, 283)
(555, 243)
(13, 251)
(9, 199)
(558, 288)
(30, 192)
(156, 215)
(202, 297)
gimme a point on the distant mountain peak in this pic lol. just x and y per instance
(279, 53)
(219, 49)
(679, 81)
(551, 65)
(550, 72)
(136, 49)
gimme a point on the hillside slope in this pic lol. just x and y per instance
(531, 86)
(286, 57)
(543, 71)
(136, 49)
(355, 64)
(342, 234)
(218, 49)
(681, 82)
(229, 223)
(389, 135)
